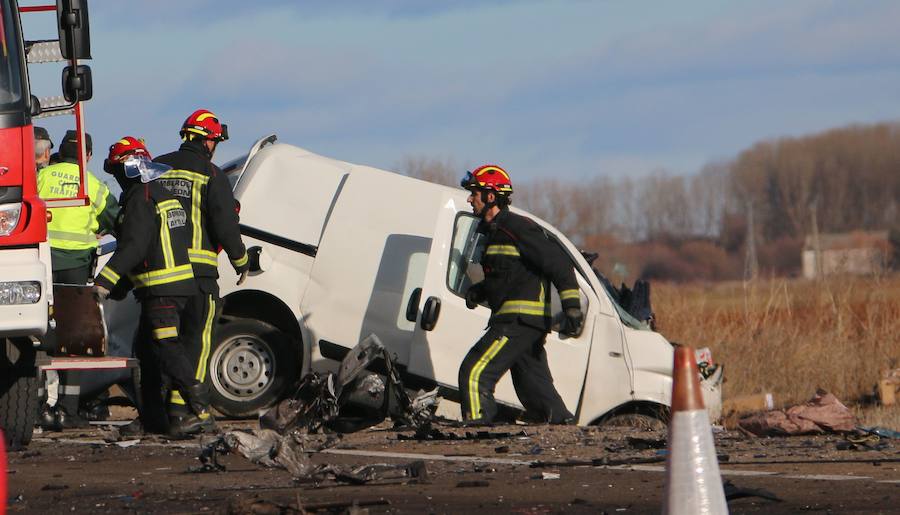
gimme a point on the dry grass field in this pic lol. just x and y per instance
(791, 336)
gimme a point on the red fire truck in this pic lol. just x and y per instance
(26, 293)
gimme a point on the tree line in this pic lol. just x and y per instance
(703, 225)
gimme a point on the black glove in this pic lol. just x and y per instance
(473, 296)
(572, 322)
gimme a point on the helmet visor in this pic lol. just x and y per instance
(468, 180)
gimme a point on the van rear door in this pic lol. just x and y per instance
(438, 351)
(292, 192)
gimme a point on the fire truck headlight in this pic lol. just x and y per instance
(9, 217)
(19, 292)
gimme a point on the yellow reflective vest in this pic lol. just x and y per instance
(74, 228)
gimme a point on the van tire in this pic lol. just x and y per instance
(18, 394)
(251, 366)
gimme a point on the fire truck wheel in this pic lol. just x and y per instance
(18, 393)
(251, 365)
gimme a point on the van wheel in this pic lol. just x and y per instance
(251, 365)
(18, 392)
(643, 417)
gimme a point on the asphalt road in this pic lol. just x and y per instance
(510, 469)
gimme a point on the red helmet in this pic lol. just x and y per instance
(127, 146)
(490, 178)
(205, 124)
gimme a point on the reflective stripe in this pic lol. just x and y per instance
(198, 180)
(197, 241)
(165, 276)
(501, 250)
(524, 307)
(203, 257)
(206, 340)
(176, 398)
(475, 375)
(165, 332)
(168, 204)
(79, 237)
(241, 261)
(186, 174)
(568, 294)
(165, 237)
(109, 274)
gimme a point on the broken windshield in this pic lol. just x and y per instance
(11, 63)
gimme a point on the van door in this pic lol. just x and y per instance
(446, 329)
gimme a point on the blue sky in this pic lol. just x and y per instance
(571, 89)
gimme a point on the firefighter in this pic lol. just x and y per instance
(152, 257)
(73, 233)
(519, 264)
(206, 195)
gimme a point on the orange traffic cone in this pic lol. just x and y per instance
(2, 473)
(693, 483)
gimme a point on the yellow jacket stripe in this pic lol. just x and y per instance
(204, 257)
(78, 237)
(475, 375)
(165, 332)
(110, 274)
(501, 250)
(569, 294)
(241, 261)
(168, 275)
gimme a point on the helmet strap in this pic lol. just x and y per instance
(488, 205)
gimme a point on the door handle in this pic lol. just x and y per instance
(412, 308)
(430, 313)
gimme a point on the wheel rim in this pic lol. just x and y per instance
(243, 368)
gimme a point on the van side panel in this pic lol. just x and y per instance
(372, 255)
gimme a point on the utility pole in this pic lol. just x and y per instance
(817, 245)
(751, 262)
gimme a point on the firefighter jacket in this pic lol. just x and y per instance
(205, 194)
(73, 231)
(519, 263)
(152, 248)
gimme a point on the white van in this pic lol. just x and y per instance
(346, 250)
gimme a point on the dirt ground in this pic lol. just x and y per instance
(503, 469)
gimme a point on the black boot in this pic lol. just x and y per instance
(197, 417)
(48, 419)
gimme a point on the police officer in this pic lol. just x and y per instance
(152, 256)
(42, 146)
(206, 196)
(73, 231)
(519, 264)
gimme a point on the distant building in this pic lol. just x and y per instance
(854, 253)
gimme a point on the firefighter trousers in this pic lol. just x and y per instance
(519, 349)
(198, 322)
(164, 363)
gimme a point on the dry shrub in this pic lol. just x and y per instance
(790, 337)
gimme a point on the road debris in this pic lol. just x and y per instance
(317, 402)
(824, 413)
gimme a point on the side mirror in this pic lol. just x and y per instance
(77, 84)
(74, 29)
(34, 106)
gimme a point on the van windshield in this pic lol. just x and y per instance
(11, 64)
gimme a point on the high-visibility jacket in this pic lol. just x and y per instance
(205, 194)
(76, 228)
(152, 246)
(520, 261)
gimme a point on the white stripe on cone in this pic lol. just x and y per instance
(693, 483)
